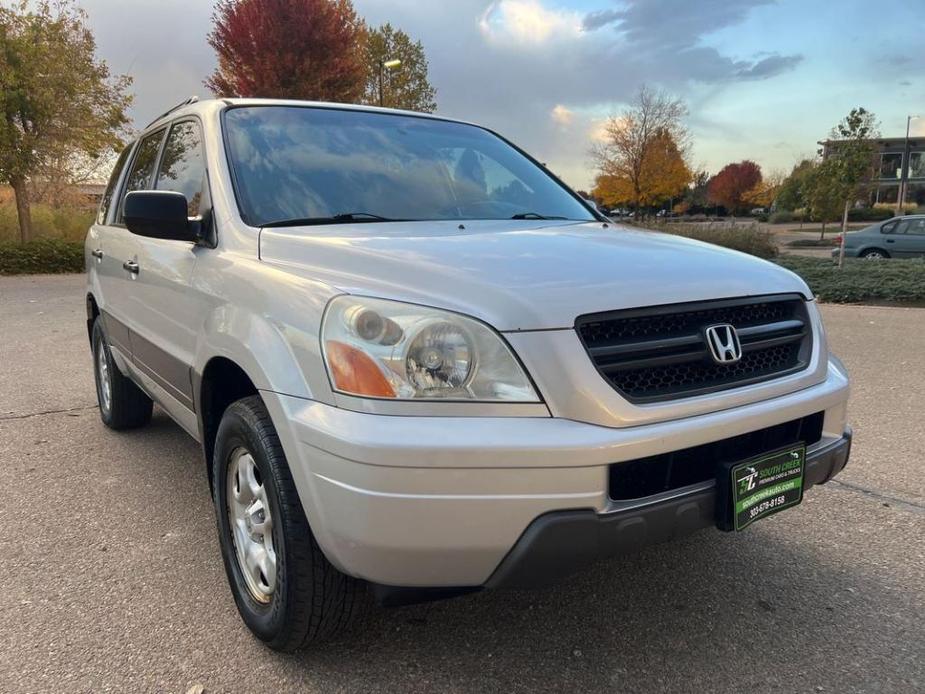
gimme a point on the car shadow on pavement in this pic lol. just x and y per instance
(715, 612)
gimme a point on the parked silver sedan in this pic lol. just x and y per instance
(899, 237)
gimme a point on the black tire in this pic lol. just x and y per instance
(128, 407)
(874, 254)
(312, 600)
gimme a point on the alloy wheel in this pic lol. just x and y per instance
(251, 525)
(103, 378)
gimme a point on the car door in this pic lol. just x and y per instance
(118, 268)
(895, 238)
(912, 238)
(99, 241)
(170, 313)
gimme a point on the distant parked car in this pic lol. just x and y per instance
(900, 237)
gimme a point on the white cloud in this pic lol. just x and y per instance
(562, 116)
(597, 130)
(527, 22)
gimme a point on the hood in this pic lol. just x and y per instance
(521, 275)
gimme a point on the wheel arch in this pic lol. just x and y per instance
(221, 383)
(93, 311)
(242, 352)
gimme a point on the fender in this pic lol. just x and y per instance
(279, 349)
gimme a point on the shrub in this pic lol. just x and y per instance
(894, 281)
(41, 256)
(783, 217)
(813, 243)
(748, 239)
(65, 223)
(870, 214)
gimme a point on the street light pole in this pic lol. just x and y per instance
(904, 170)
(383, 64)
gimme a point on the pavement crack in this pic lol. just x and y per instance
(10, 417)
(898, 502)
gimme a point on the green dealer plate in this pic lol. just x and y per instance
(767, 484)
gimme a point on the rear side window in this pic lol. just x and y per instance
(916, 227)
(182, 168)
(142, 171)
(106, 202)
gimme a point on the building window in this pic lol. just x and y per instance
(917, 165)
(888, 194)
(890, 163)
(915, 194)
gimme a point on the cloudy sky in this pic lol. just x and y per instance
(763, 80)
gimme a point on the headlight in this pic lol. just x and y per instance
(388, 349)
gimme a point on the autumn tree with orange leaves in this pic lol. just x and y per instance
(662, 175)
(642, 158)
(732, 185)
(764, 194)
(296, 49)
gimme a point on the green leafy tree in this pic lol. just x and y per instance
(407, 85)
(696, 197)
(849, 161)
(820, 195)
(57, 100)
(792, 193)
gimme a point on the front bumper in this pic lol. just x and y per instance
(559, 544)
(442, 501)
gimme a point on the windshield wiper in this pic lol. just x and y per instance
(343, 218)
(533, 215)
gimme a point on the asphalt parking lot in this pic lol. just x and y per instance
(112, 578)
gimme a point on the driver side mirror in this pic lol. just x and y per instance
(159, 214)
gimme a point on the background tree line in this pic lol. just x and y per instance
(643, 163)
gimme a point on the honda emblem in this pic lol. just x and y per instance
(723, 341)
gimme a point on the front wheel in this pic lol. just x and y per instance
(286, 590)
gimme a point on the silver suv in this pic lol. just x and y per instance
(419, 365)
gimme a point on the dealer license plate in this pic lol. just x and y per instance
(764, 485)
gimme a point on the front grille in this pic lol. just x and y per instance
(644, 477)
(660, 353)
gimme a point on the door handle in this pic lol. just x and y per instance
(131, 266)
(891, 240)
(97, 253)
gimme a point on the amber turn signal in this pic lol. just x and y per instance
(356, 373)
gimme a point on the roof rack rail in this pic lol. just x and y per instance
(187, 102)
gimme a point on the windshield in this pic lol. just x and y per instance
(316, 165)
